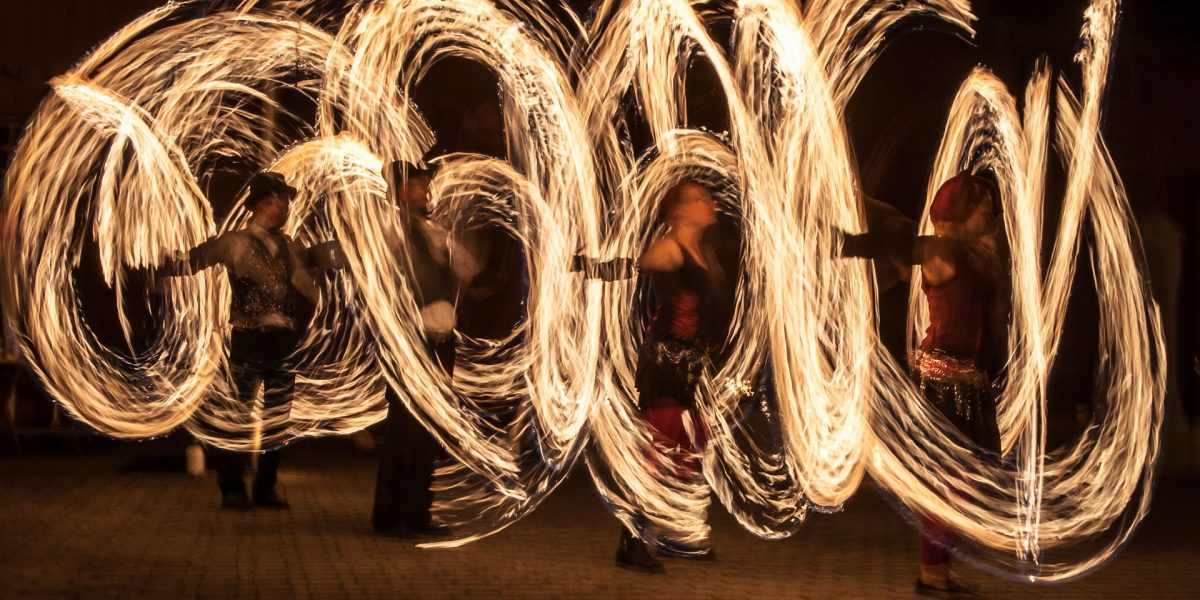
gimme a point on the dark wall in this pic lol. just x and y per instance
(39, 40)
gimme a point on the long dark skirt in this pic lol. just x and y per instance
(402, 490)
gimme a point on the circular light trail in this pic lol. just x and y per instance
(807, 401)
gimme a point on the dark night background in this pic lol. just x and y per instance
(895, 122)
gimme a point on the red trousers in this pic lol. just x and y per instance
(666, 415)
(937, 541)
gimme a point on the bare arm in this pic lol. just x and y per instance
(663, 256)
(937, 259)
(609, 270)
(890, 234)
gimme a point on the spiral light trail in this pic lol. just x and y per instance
(806, 402)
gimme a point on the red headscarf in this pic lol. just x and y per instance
(958, 198)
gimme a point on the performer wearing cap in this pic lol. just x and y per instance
(440, 266)
(963, 278)
(272, 280)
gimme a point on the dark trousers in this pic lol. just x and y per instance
(402, 491)
(259, 357)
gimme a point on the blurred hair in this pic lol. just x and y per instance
(958, 198)
(266, 184)
(400, 171)
(673, 198)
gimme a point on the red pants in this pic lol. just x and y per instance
(666, 415)
(937, 541)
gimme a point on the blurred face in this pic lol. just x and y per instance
(980, 221)
(271, 212)
(696, 207)
(416, 194)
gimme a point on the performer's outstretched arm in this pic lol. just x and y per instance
(609, 270)
(323, 257)
(217, 250)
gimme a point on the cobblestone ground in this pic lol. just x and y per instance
(77, 526)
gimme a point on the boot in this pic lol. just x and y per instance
(236, 500)
(674, 549)
(269, 498)
(633, 554)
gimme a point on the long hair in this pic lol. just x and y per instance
(672, 199)
(709, 245)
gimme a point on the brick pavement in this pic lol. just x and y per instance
(74, 526)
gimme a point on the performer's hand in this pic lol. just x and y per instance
(173, 265)
(609, 270)
(580, 262)
(323, 257)
(152, 278)
(617, 268)
(332, 255)
(850, 245)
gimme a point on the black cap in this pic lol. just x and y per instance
(268, 183)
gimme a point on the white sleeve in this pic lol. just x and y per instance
(466, 256)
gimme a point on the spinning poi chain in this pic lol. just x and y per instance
(119, 153)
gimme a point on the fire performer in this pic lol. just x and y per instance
(273, 288)
(440, 267)
(687, 284)
(963, 278)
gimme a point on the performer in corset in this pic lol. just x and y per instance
(963, 276)
(687, 284)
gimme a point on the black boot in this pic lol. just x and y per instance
(269, 498)
(953, 589)
(633, 554)
(236, 500)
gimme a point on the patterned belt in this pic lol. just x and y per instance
(950, 369)
(960, 377)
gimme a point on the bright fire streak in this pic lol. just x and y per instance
(1043, 509)
(790, 181)
(807, 398)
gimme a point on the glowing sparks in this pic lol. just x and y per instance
(807, 400)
